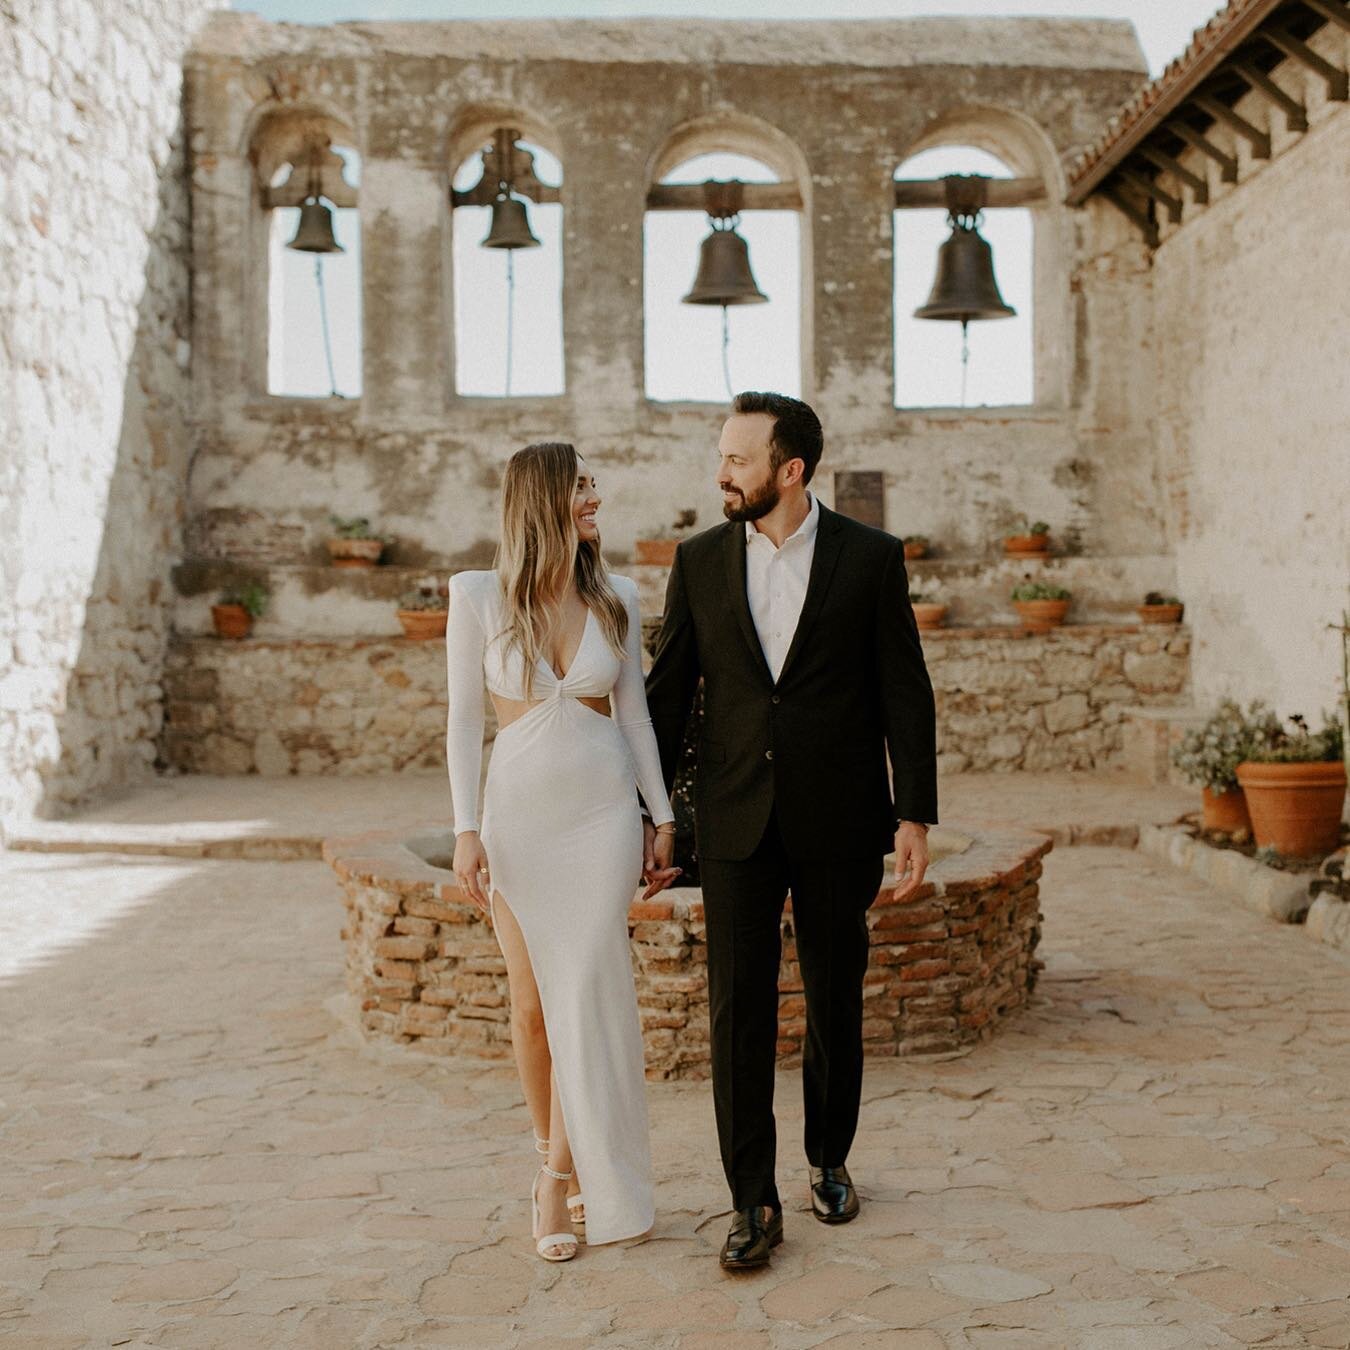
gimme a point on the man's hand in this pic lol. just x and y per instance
(471, 868)
(658, 853)
(911, 859)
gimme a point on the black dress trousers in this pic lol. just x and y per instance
(743, 907)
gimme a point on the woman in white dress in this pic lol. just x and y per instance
(559, 851)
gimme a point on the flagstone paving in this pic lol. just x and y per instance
(199, 1152)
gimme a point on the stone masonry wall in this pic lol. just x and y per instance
(1254, 402)
(947, 966)
(93, 386)
(1006, 699)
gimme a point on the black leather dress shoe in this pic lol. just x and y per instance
(751, 1238)
(833, 1199)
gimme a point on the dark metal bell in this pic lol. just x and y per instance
(314, 233)
(965, 288)
(510, 226)
(724, 276)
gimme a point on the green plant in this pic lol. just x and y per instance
(357, 527)
(1275, 744)
(1039, 590)
(1210, 753)
(421, 598)
(1027, 526)
(252, 595)
(1158, 598)
(1039, 527)
(917, 539)
(923, 598)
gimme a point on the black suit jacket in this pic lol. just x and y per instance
(853, 687)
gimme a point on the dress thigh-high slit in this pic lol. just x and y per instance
(562, 830)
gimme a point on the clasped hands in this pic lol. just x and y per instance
(475, 880)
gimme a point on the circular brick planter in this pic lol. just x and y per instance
(424, 968)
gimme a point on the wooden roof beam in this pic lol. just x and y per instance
(1199, 186)
(1332, 11)
(1295, 114)
(1171, 204)
(1228, 165)
(1258, 140)
(1138, 218)
(1337, 81)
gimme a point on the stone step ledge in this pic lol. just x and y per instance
(1278, 895)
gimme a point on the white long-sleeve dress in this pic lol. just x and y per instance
(562, 830)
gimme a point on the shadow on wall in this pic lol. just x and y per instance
(95, 713)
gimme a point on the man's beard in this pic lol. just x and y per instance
(759, 503)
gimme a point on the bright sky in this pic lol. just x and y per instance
(684, 342)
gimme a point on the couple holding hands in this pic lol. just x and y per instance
(797, 621)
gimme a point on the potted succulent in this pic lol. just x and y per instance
(1210, 754)
(916, 546)
(352, 543)
(1040, 605)
(658, 548)
(1294, 782)
(1159, 608)
(239, 606)
(423, 610)
(1031, 539)
(929, 612)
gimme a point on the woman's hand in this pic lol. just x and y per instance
(658, 855)
(471, 869)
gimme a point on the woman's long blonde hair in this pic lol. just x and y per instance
(538, 545)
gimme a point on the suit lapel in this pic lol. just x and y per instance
(829, 542)
(734, 557)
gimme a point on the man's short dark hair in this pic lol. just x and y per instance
(796, 430)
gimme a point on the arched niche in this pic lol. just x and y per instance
(775, 221)
(305, 334)
(504, 306)
(1024, 153)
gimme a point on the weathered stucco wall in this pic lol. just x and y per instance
(1250, 327)
(93, 389)
(852, 100)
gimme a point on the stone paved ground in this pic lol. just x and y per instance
(196, 1153)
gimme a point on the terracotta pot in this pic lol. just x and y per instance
(423, 624)
(1226, 811)
(928, 615)
(231, 621)
(1295, 808)
(915, 550)
(1019, 545)
(656, 552)
(355, 552)
(1159, 613)
(1040, 616)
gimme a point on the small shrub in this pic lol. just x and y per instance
(356, 527)
(1158, 598)
(1039, 590)
(1209, 754)
(253, 596)
(1275, 744)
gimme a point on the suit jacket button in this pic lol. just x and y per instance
(768, 754)
(776, 699)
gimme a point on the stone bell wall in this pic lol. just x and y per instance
(94, 334)
(838, 106)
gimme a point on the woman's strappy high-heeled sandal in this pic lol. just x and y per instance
(576, 1204)
(567, 1241)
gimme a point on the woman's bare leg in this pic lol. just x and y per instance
(529, 1040)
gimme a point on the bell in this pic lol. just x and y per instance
(724, 276)
(314, 233)
(965, 288)
(510, 226)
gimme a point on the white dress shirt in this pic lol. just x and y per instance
(775, 583)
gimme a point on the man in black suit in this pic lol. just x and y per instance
(798, 621)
